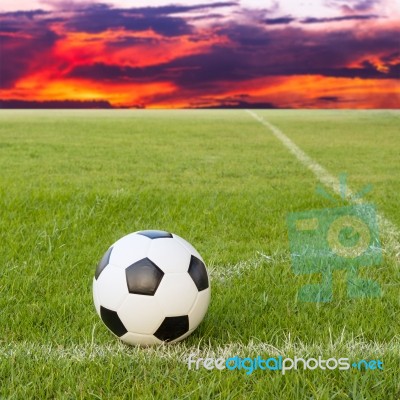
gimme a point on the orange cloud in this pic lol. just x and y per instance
(38, 88)
(127, 48)
(302, 92)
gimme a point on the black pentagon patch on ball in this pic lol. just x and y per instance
(103, 263)
(112, 321)
(172, 328)
(143, 277)
(155, 234)
(197, 270)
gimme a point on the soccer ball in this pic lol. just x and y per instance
(151, 287)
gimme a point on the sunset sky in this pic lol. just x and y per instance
(172, 54)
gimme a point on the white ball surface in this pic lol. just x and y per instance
(151, 287)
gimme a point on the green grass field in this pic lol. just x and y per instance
(73, 182)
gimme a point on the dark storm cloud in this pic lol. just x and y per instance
(312, 20)
(363, 5)
(27, 14)
(20, 20)
(391, 57)
(8, 28)
(99, 18)
(354, 5)
(18, 53)
(150, 10)
(279, 21)
(179, 9)
(206, 17)
(293, 51)
(190, 71)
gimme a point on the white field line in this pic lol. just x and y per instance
(390, 231)
(180, 351)
(225, 273)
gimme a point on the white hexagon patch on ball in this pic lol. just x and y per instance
(151, 287)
